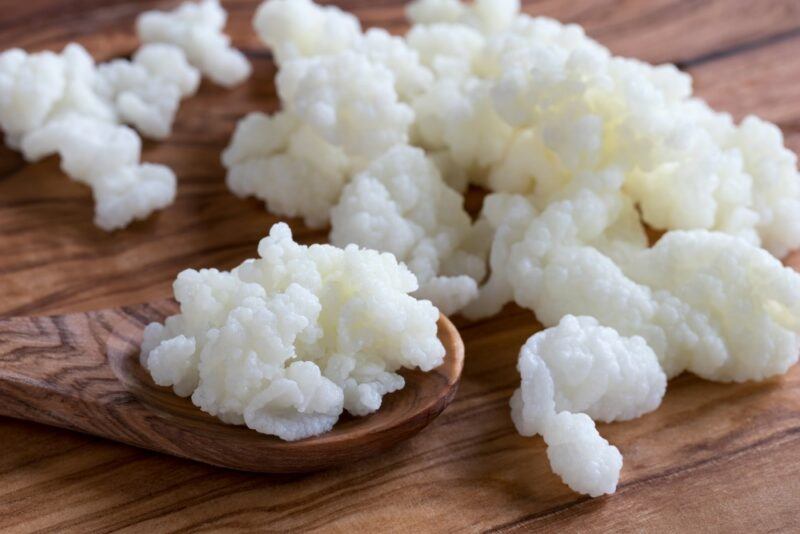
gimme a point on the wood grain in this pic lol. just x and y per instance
(81, 372)
(712, 458)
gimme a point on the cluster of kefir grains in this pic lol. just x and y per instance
(146, 92)
(280, 160)
(66, 104)
(580, 150)
(577, 372)
(706, 302)
(400, 204)
(348, 111)
(514, 103)
(345, 97)
(197, 29)
(285, 342)
(105, 156)
(549, 103)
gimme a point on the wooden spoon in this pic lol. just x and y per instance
(82, 372)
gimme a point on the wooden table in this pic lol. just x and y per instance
(712, 458)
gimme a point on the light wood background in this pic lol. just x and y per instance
(713, 458)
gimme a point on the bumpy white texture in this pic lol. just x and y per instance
(104, 156)
(596, 371)
(197, 28)
(573, 373)
(342, 108)
(400, 204)
(132, 192)
(592, 212)
(348, 100)
(449, 50)
(456, 118)
(686, 165)
(524, 105)
(88, 148)
(584, 460)
(35, 88)
(168, 63)
(345, 97)
(147, 91)
(559, 104)
(411, 77)
(751, 301)
(705, 302)
(776, 187)
(284, 163)
(65, 104)
(459, 114)
(301, 28)
(81, 95)
(285, 342)
(30, 85)
(489, 16)
(296, 29)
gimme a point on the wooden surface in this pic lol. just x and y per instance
(81, 371)
(714, 458)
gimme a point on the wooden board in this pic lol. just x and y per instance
(712, 458)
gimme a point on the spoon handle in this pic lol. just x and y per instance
(53, 370)
(56, 371)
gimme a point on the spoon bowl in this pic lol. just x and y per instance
(82, 372)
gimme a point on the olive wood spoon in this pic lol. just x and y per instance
(81, 371)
